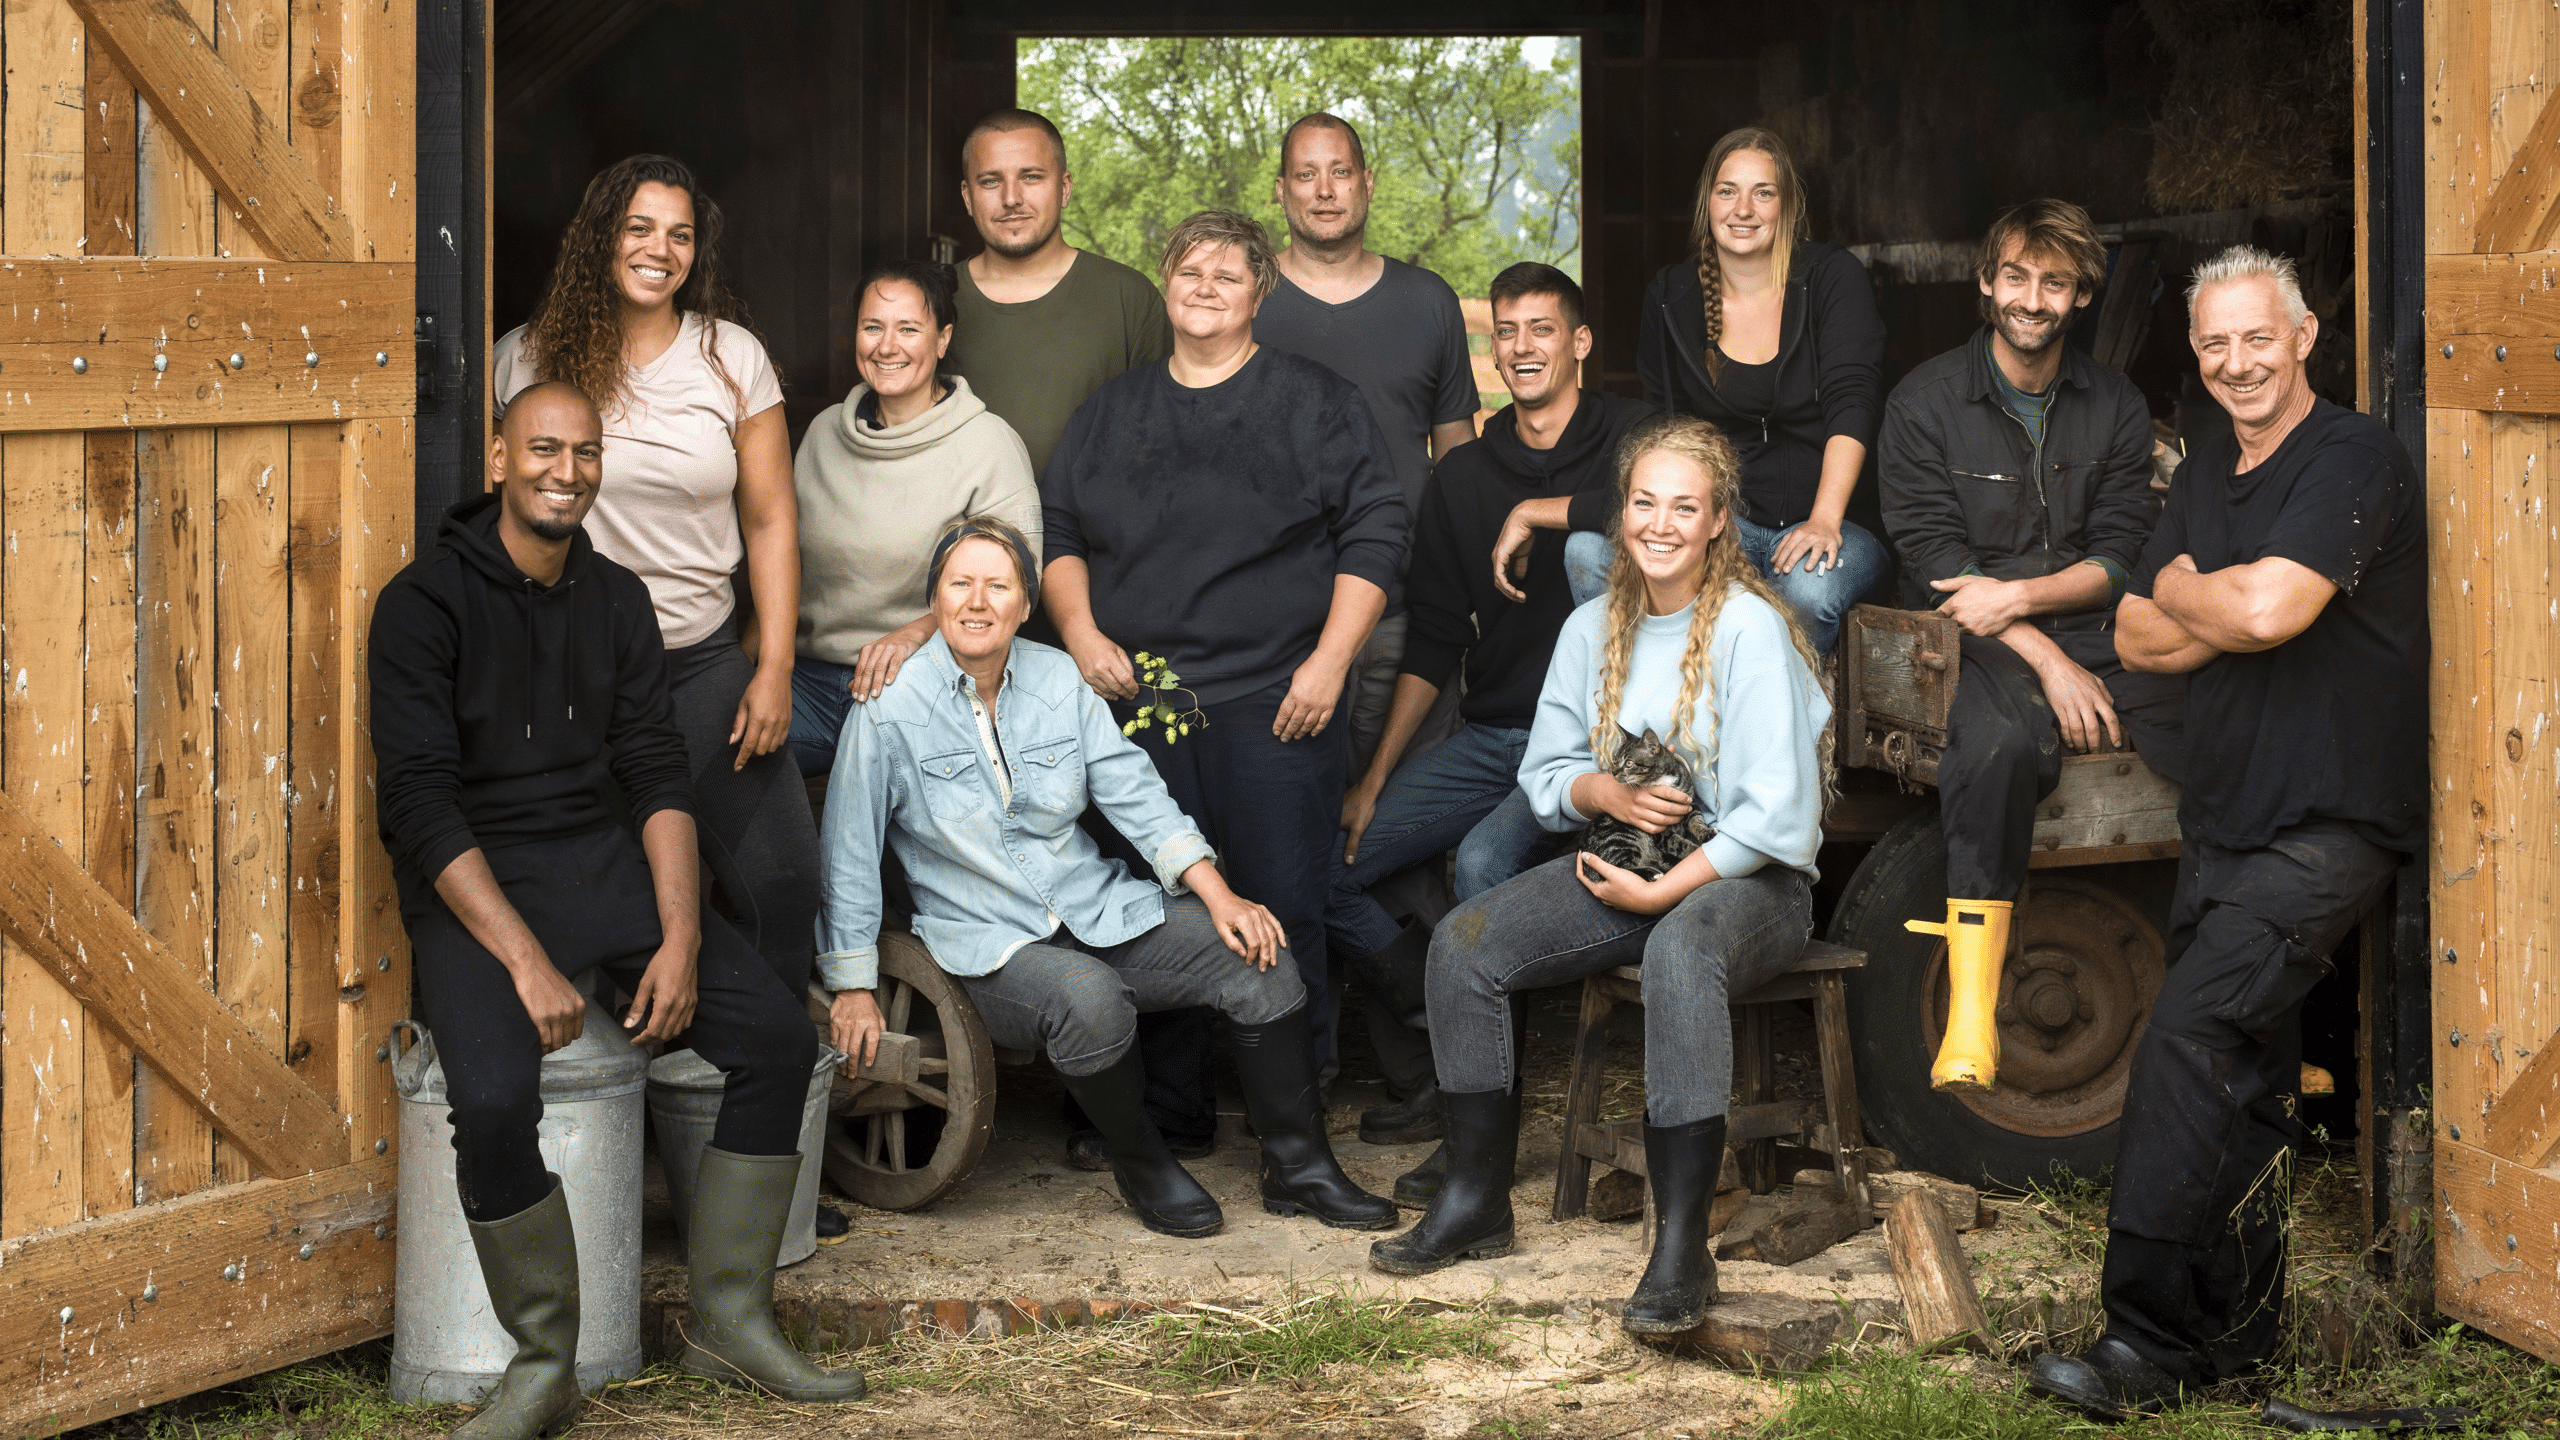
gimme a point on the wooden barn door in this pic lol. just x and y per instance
(207, 389)
(2492, 216)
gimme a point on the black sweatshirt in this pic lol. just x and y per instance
(1451, 590)
(1830, 372)
(1214, 520)
(501, 708)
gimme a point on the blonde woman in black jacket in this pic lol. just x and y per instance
(1775, 340)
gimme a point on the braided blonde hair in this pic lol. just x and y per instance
(1704, 446)
(1702, 230)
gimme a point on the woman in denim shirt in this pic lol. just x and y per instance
(973, 765)
(1692, 643)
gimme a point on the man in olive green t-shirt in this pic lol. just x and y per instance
(1042, 324)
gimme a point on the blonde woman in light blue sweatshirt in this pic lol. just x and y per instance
(1689, 644)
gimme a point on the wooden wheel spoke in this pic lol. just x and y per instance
(938, 1099)
(897, 1139)
(933, 1065)
(902, 997)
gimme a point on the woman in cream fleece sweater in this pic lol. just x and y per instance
(1689, 643)
(880, 477)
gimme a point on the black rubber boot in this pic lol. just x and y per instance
(1682, 1163)
(740, 1205)
(1418, 1187)
(530, 1263)
(1471, 1219)
(2109, 1381)
(1276, 1065)
(1400, 1033)
(1167, 1199)
(1087, 1150)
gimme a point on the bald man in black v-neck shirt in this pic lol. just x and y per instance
(2288, 579)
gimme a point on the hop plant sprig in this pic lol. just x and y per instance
(1161, 709)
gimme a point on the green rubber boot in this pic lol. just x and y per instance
(740, 1204)
(530, 1263)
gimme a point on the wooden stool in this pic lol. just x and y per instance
(1754, 1126)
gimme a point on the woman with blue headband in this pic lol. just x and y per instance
(973, 764)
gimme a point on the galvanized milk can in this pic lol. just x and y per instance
(446, 1344)
(684, 1103)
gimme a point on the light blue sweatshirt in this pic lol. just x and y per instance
(1761, 784)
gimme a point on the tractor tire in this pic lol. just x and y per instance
(2085, 962)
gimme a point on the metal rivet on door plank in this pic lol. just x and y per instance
(79, 364)
(381, 962)
(159, 363)
(383, 1052)
(382, 1147)
(381, 357)
(2457, 1131)
(230, 1272)
(2448, 351)
(238, 360)
(381, 1232)
(150, 1293)
(306, 1251)
(310, 357)
(2502, 352)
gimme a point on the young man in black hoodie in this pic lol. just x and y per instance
(518, 676)
(1554, 446)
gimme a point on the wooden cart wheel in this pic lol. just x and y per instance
(905, 1131)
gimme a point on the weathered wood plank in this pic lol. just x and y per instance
(2106, 801)
(2524, 1121)
(2459, 66)
(378, 502)
(2465, 857)
(2524, 204)
(2497, 1243)
(198, 1327)
(42, 738)
(2506, 297)
(111, 162)
(107, 794)
(313, 551)
(2484, 372)
(175, 203)
(173, 704)
(253, 764)
(249, 36)
(331, 306)
(2522, 711)
(379, 150)
(42, 46)
(120, 389)
(271, 188)
(134, 986)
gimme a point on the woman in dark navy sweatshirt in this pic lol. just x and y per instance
(516, 673)
(1776, 341)
(1233, 512)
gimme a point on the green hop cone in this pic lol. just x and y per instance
(1129, 729)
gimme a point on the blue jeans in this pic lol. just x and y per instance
(1727, 937)
(819, 703)
(1439, 799)
(1820, 601)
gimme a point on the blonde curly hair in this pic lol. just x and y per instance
(1727, 569)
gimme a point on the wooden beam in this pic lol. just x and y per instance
(2497, 1244)
(271, 188)
(2524, 1121)
(2508, 296)
(123, 978)
(2488, 372)
(2525, 206)
(108, 1315)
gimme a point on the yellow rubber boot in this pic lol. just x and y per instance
(1977, 935)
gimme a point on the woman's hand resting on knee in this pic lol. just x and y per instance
(1250, 930)
(853, 1023)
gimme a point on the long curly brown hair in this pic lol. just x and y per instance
(576, 332)
(1728, 569)
(1702, 230)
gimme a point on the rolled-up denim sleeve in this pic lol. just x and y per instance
(1131, 795)
(860, 799)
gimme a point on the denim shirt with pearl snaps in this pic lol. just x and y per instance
(995, 864)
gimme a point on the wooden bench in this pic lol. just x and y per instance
(1760, 1121)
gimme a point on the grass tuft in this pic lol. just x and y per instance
(1303, 1334)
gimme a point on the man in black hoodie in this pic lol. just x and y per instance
(518, 677)
(1553, 447)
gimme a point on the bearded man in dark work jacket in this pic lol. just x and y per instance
(2288, 580)
(517, 676)
(1552, 448)
(2016, 478)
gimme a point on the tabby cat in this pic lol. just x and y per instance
(1644, 760)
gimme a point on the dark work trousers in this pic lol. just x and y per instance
(589, 900)
(754, 825)
(1273, 813)
(2194, 1275)
(2004, 751)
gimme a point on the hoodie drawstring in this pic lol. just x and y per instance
(534, 595)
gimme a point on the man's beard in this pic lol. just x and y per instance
(2010, 331)
(1024, 250)
(552, 529)
(1353, 232)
